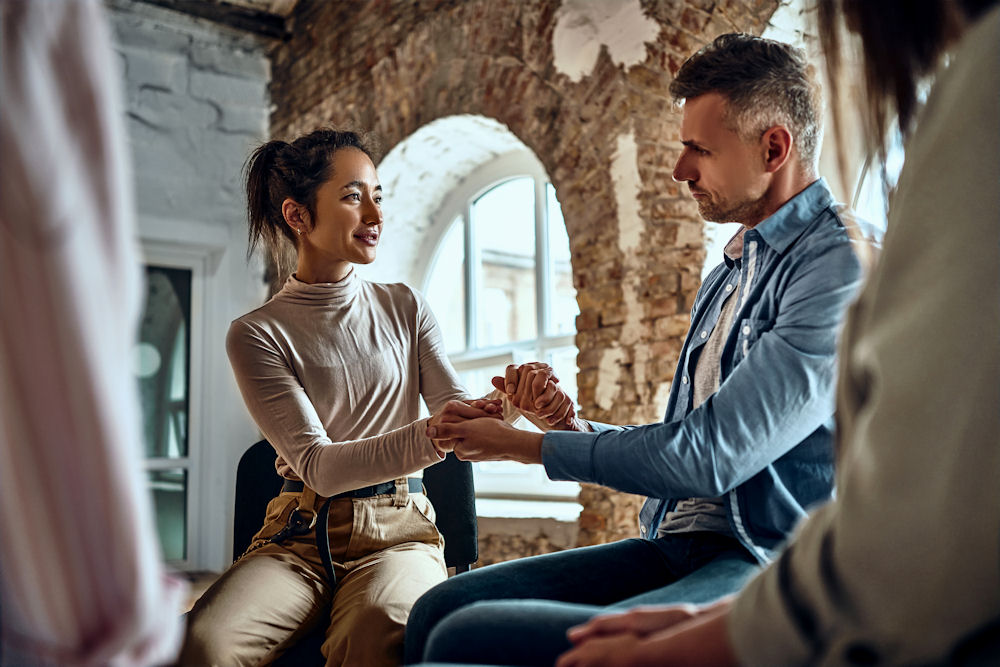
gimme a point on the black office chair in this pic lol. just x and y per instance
(448, 484)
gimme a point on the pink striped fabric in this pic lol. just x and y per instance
(81, 578)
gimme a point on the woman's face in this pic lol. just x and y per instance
(347, 223)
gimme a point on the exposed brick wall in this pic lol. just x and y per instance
(393, 66)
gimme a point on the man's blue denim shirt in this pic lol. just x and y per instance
(764, 440)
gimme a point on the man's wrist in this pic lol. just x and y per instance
(529, 447)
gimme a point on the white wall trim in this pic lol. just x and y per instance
(220, 429)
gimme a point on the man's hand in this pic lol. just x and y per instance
(620, 650)
(457, 411)
(534, 388)
(487, 440)
(640, 621)
(695, 637)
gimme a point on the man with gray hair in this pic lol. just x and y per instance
(745, 446)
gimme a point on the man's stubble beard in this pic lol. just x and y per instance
(751, 209)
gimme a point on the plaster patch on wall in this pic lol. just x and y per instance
(608, 370)
(627, 185)
(582, 26)
(790, 24)
(661, 395)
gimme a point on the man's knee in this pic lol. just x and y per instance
(437, 603)
(429, 608)
(476, 624)
(486, 631)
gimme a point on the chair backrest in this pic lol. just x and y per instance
(448, 484)
(451, 490)
(256, 484)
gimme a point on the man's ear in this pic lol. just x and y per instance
(296, 215)
(777, 146)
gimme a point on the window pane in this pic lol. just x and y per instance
(162, 361)
(478, 380)
(446, 287)
(169, 491)
(504, 229)
(562, 319)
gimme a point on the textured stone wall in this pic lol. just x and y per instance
(605, 132)
(502, 539)
(196, 100)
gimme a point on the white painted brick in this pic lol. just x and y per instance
(227, 60)
(226, 89)
(169, 110)
(159, 69)
(248, 120)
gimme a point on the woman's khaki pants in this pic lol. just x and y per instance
(386, 553)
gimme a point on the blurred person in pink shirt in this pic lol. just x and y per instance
(81, 580)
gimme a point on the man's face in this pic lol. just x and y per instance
(725, 174)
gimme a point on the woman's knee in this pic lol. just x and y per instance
(212, 643)
(368, 633)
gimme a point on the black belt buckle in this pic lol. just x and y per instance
(296, 525)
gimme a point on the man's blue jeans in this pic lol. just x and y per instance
(518, 612)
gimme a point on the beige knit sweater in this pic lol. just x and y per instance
(333, 372)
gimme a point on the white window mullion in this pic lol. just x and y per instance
(543, 275)
(471, 280)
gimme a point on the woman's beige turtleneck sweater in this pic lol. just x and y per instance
(333, 372)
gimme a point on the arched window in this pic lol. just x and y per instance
(500, 283)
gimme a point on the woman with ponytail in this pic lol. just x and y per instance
(332, 369)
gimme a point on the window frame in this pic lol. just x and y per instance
(458, 207)
(162, 255)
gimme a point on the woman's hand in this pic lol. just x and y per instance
(458, 411)
(534, 388)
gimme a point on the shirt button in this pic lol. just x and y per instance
(729, 288)
(746, 330)
(684, 380)
(642, 530)
(704, 334)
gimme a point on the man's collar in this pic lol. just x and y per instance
(734, 247)
(781, 228)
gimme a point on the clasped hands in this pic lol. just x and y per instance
(475, 429)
